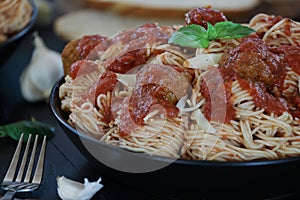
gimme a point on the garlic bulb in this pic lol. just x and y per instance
(71, 190)
(43, 70)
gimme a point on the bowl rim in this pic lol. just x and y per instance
(26, 29)
(205, 163)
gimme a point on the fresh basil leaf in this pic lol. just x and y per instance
(211, 32)
(197, 37)
(14, 130)
(230, 30)
(192, 36)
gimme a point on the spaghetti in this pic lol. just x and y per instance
(14, 16)
(237, 100)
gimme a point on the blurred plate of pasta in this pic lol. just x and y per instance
(17, 19)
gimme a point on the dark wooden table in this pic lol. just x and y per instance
(62, 157)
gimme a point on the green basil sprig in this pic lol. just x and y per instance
(14, 130)
(197, 36)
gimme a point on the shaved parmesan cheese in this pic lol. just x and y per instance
(198, 116)
(128, 80)
(202, 61)
(181, 105)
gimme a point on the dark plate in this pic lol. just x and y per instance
(8, 46)
(185, 178)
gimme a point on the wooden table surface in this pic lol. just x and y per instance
(62, 157)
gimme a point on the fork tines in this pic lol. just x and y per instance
(9, 177)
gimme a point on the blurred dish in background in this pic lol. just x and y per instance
(107, 17)
(75, 24)
(11, 41)
(14, 15)
(235, 10)
(170, 8)
(285, 8)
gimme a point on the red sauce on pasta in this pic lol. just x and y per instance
(82, 67)
(262, 98)
(128, 61)
(136, 46)
(291, 56)
(294, 105)
(287, 29)
(146, 34)
(105, 83)
(87, 44)
(257, 68)
(126, 124)
(272, 20)
(216, 89)
(149, 95)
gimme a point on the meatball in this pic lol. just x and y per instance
(201, 16)
(254, 61)
(70, 55)
(81, 49)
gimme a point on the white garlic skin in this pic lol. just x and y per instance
(43, 70)
(71, 190)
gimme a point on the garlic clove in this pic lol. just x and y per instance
(43, 70)
(46, 66)
(28, 91)
(199, 117)
(71, 190)
(45, 62)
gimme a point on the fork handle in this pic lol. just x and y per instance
(8, 195)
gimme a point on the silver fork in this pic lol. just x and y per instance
(19, 183)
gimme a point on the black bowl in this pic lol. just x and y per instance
(8, 46)
(186, 178)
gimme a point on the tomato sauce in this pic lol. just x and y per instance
(287, 28)
(294, 105)
(216, 89)
(259, 70)
(291, 56)
(146, 34)
(105, 83)
(126, 124)
(148, 95)
(262, 98)
(127, 61)
(82, 67)
(135, 44)
(87, 44)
